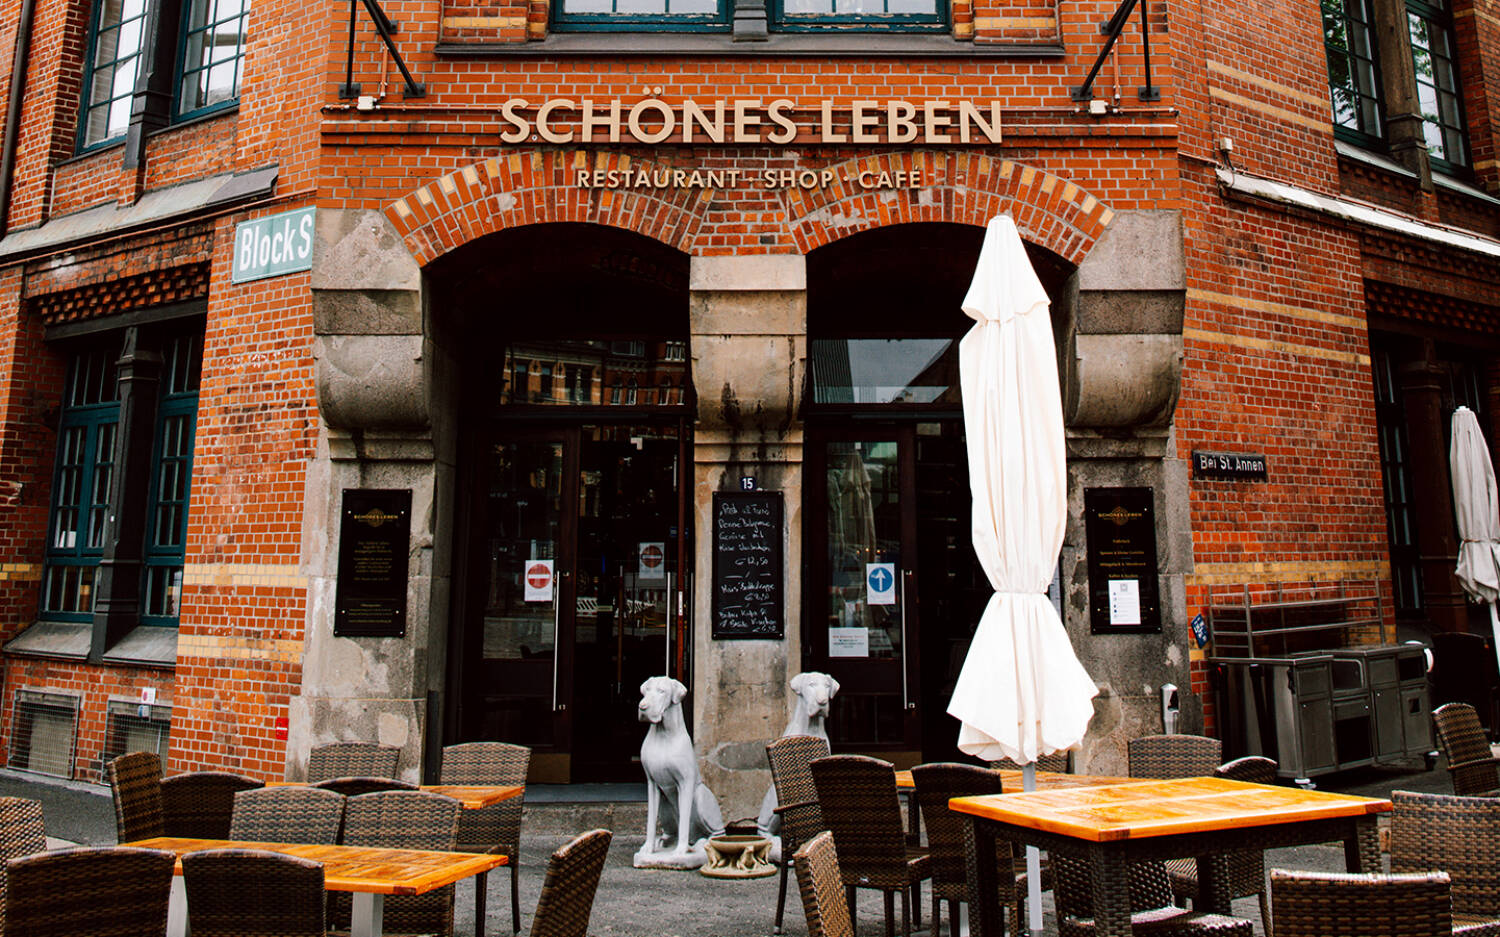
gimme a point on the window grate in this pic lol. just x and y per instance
(45, 735)
(136, 727)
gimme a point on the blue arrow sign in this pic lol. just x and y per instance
(880, 579)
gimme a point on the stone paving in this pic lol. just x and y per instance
(639, 903)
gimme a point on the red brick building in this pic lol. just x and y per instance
(593, 263)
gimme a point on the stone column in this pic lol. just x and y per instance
(383, 392)
(748, 318)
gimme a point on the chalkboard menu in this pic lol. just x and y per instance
(1120, 524)
(747, 564)
(374, 537)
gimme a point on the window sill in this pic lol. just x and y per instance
(1440, 179)
(146, 646)
(841, 45)
(53, 640)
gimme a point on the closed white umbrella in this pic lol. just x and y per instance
(1477, 508)
(1022, 692)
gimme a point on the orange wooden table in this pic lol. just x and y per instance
(370, 873)
(1198, 818)
(471, 796)
(1010, 779)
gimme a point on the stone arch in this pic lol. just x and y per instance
(540, 186)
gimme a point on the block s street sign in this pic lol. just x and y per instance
(269, 247)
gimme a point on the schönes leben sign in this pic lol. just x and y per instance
(269, 247)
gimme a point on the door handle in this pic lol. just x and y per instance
(557, 594)
(906, 702)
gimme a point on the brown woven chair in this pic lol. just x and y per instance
(1327, 904)
(1055, 762)
(252, 893)
(567, 900)
(287, 815)
(352, 759)
(821, 883)
(496, 828)
(1457, 835)
(1152, 911)
(935, 785)
(796, 800)
(355, 786)
(1173, 756)
(403, 820)
(1247, 867)
(106, 891)
(860, 805)
(21, 834)
(199, 805)
(135, 787)
(1471, 764)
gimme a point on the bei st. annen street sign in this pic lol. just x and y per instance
(269, 247)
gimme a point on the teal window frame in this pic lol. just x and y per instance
(717, 21)
(1350, 44)
(186, 71)
(171, 481)
(87, 103)
(782, 21)
(1439, 84)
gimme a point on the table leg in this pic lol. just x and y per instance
(367, 915)
(1111, 892)
(979, 861)
(481, 886)
(177, 919)
(1362, 848)
(1213, 885)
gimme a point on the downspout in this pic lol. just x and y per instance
(13, 110)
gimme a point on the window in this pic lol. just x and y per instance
(90, 453)
(639, 14)
(796, 15)
(213, 51)
(1353, 70)
(1432, 50)
(210, 50)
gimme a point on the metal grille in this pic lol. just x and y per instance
(45, 733)
(135, 727)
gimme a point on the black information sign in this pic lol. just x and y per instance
(1120, 524)
(374, 542)
(747, 564)
(1235, 465)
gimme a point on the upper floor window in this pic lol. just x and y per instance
(1433, 54)
(643, 14)
(881, 14)
(785, 15)
(1353, 69)
(210, 44)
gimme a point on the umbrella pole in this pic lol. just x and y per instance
(1034, 858)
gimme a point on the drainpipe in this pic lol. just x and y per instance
(13, 110)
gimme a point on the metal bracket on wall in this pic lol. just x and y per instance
(385, 27)
(1112, 29)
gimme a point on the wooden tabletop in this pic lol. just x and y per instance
(1045, 780)
(472, 796)
(356, 868)
(1162, 808)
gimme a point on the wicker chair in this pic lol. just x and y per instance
(252, 893)
(567, 899)
(198, 805)
(352, 759)
(135, 787)
(1055, 762)
(819, 880)
(935, 785)
(496, 828)
(860, 805)
(21, 834)
(106, 891)
(1152, 911)
(403, 820)
(1326, 904)
(1173, 756)
(1466, 748)
(796, 800)
(287, 815)
(356, 785)
(1457, 835)
(1247, 867)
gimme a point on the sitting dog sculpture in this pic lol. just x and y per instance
(812, 692)
(680, 809)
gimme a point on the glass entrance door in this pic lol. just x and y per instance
(577, 595)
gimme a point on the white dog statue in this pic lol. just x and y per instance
(811, 693)
(680, 809)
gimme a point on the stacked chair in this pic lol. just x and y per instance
(1474, 769)
(496, 828)
(796, 800)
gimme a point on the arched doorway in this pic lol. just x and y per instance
(573, 529)
(887, 484)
